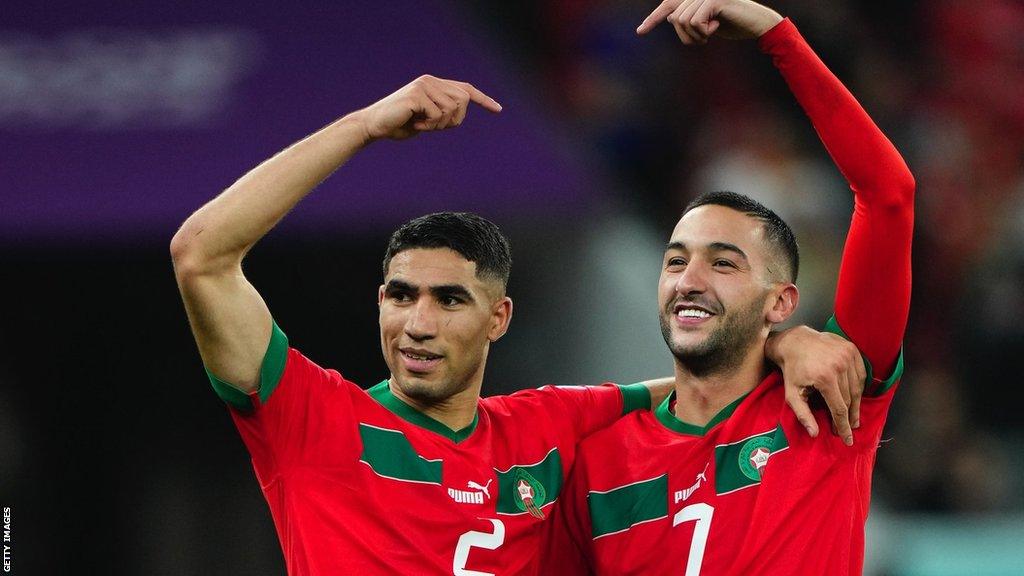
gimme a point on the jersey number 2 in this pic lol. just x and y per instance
(488, 540)
(702, 513)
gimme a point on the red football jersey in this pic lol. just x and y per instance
(358, 482)
(751, 492)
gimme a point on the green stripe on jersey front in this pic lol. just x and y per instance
(389, 454)
(544, 479)
(739, 464)
(617, 509)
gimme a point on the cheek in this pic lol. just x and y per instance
(390, 320)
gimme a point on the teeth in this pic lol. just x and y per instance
(418, 357)
(693, 313)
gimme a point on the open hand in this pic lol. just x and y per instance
(825, 363)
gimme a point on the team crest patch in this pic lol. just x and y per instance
(741, 464)
(529, 494)
(754, 456)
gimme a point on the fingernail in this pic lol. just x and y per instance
(856, 424)
(811, 431)
(848, 440)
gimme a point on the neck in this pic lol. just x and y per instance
(700, 396)
(456, 411)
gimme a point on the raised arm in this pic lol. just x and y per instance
(873, 296)
(230, 321)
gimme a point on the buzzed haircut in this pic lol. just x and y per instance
(477, 239)
(779, 234)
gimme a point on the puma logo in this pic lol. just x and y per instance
(467, 497)
(483, 488)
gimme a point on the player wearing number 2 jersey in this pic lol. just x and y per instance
(416, 475)
(718, 479)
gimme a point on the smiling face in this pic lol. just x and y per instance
(437, 320)
(718, 293)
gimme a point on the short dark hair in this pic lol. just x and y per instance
(477, 239)
(779, 234)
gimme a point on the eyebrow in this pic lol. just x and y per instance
(439, 291)
(714, 246)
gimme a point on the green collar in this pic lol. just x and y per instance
(668, 419)
(382, 394)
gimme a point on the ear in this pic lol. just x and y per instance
(786, 297)
(380, 295)
(501, 315)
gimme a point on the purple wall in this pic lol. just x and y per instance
(119, 120)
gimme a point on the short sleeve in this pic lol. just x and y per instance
(301, 413)
(591, 408)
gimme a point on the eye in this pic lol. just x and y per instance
(401, 297)
(450, 301)
(722, 263)
(675, 262)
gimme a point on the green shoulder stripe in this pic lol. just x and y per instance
(270, 374)
(618, 509)
(833, 326)
(635, 397)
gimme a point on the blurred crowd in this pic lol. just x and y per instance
(943, 79)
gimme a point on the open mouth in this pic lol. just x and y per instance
(417, 360)
(688, 313)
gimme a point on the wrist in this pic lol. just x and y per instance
(771, 20)
(355, 123)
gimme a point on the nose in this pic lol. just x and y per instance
(691, 280)
(421, 324)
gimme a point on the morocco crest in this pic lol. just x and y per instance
(530, 494)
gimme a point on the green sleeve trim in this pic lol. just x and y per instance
(270, 374)
(635, 397)
(833, 326)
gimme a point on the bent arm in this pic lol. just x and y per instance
(230, 321)
(873, 297)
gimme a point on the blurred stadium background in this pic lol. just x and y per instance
(117, 119)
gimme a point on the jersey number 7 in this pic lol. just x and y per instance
(702, 513)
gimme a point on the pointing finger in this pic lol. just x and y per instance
(479, 97)
(655, 17)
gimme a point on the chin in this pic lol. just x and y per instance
(423, 390)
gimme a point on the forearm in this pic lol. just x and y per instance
(873, 296)
(218, 235)
(867, 159)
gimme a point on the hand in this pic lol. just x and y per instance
(823, 362)
(696, 20)
(427, 103)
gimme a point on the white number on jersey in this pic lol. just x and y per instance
(488, 540)
(702, 513)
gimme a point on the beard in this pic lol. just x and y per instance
(726, 346)
(428, 393)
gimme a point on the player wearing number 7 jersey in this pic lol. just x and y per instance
(718, 480)
(418, 474)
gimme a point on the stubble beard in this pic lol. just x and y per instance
(724, 349)
(427, 393)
